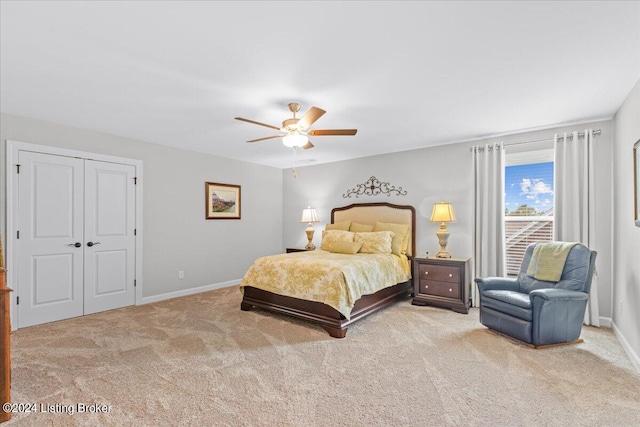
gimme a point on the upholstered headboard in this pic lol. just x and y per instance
(370, 213)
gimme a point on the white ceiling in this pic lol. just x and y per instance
(405, 74)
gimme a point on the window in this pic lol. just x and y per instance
(528, 211)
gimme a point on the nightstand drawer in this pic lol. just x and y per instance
(443, 289)
(440, 273)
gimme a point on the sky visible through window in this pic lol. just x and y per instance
(529, 189)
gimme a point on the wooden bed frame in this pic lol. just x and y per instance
(327, 317)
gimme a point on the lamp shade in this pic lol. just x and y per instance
(295, 139)
(443, 212)
(309, 215)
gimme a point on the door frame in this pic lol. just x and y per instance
(13, 148)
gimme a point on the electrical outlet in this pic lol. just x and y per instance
(180, 274)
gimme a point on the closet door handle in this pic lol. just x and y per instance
(76, 244)
(92, 243)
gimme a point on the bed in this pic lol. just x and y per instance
(273, 296)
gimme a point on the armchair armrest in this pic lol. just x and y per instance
(550, 294)
(557, 315)
(497, 283)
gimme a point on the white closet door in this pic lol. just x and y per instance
(109, 225)
(50, 223)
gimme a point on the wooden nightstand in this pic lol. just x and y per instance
(289, 250)
(443, 282)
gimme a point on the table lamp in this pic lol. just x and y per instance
(443, 213)
(310, 216)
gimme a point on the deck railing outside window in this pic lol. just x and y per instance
(520, 232)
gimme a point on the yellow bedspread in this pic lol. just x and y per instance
(337, 280)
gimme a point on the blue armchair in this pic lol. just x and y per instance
(537, 312)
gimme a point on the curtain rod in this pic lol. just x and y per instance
(569, 136)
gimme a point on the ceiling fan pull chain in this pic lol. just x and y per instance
(295, 161)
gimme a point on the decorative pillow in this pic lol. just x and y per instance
(401, 234)
(344, 247)
(375, 242)
(344, 225)
(330, 237)
(360, 228)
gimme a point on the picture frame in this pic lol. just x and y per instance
(636, 182)
(222, 201)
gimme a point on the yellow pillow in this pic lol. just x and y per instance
(401, 234)
(343, 247)
(330, 237)
(375, 242)
(344, 225)
(360, 228)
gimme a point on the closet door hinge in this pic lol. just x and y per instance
(134, 283)
(17, 300)
(135, 231)
(18, 234)
(135, 180)
(17, 168)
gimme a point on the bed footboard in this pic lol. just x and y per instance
(327, 317)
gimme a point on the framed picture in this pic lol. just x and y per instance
(636, 182)
(222, 200)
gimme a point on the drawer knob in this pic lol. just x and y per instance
(450, 275)
(426, 287)
(450, 290)
(426, 273)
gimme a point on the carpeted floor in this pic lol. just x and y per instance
(201, 361)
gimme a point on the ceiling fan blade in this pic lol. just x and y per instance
(308, 145)
(325, 132)
(310, 117)
(257, 123)
(266, 137)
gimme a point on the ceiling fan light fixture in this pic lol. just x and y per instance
(295, 139)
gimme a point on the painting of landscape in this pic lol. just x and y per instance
(222, 201)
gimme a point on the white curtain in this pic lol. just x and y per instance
(574, 210)
(488, 234)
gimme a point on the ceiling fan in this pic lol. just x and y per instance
(296, 132)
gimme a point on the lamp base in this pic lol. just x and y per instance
(443, 239)
(310, 246)
(443, 254)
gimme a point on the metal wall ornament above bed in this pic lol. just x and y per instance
(373, 187)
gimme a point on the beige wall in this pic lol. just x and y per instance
(626, 236)
(176, 235)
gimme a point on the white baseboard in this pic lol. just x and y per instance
(605, 322)
(627, 347)
(191, 291)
